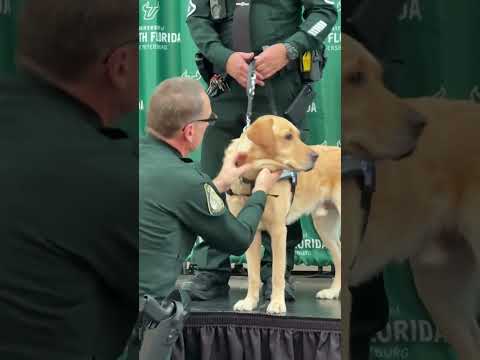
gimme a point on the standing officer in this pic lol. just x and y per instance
(229, 34)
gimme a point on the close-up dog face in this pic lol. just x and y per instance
(376, 124)
(276, 143)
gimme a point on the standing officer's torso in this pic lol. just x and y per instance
(271, 21)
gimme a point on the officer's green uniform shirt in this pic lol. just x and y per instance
(68, 228)
(177, 203)
(271, 22)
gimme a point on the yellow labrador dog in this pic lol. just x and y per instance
(425, 208)
(273, 142)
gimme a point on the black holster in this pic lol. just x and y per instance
(319, 60)
(297, 111)
(160, 324)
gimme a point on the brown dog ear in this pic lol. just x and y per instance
(261, 133)
(241, 159)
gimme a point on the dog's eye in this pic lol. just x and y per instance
(289, 137)
(357, 78)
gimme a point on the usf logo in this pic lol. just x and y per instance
(150, 11)
(195, 76)
(475, 94)
(441, 93)
(5, 7)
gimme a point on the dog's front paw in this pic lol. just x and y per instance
(277, 307)
(328, 294)
(247, 304)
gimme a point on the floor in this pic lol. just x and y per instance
(305, 306)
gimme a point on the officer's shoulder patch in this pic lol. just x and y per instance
(215, 203)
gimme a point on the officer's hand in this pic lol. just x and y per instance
(234, 167)
(265, 180)
(237, 67)
(271, 60)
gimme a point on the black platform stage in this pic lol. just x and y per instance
(310, 330)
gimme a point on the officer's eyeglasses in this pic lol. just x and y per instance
(211, 120)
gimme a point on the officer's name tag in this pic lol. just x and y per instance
(215, 203)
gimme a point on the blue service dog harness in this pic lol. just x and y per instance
(363, 327)
(286, 175)
(364, 172)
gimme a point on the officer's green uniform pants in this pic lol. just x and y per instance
(231, 108)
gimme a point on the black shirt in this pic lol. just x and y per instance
(68, 228)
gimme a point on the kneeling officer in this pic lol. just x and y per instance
(178, 202)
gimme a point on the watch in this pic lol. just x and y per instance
(292, 52)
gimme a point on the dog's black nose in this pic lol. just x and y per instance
(419, 126)
(313, 156)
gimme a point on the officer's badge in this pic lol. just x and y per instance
(216, 206)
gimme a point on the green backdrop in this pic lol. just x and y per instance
(167, 50)
(438, 42)
(8, 11)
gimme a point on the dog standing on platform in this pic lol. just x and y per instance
(273, 142)
(425, 207)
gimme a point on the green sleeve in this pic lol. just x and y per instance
(205, 35)
(222, 231)
(320, 17)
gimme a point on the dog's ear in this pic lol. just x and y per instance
(261, 133)
(241, 159)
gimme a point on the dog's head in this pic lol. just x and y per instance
(273, 142)
(376, 124)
